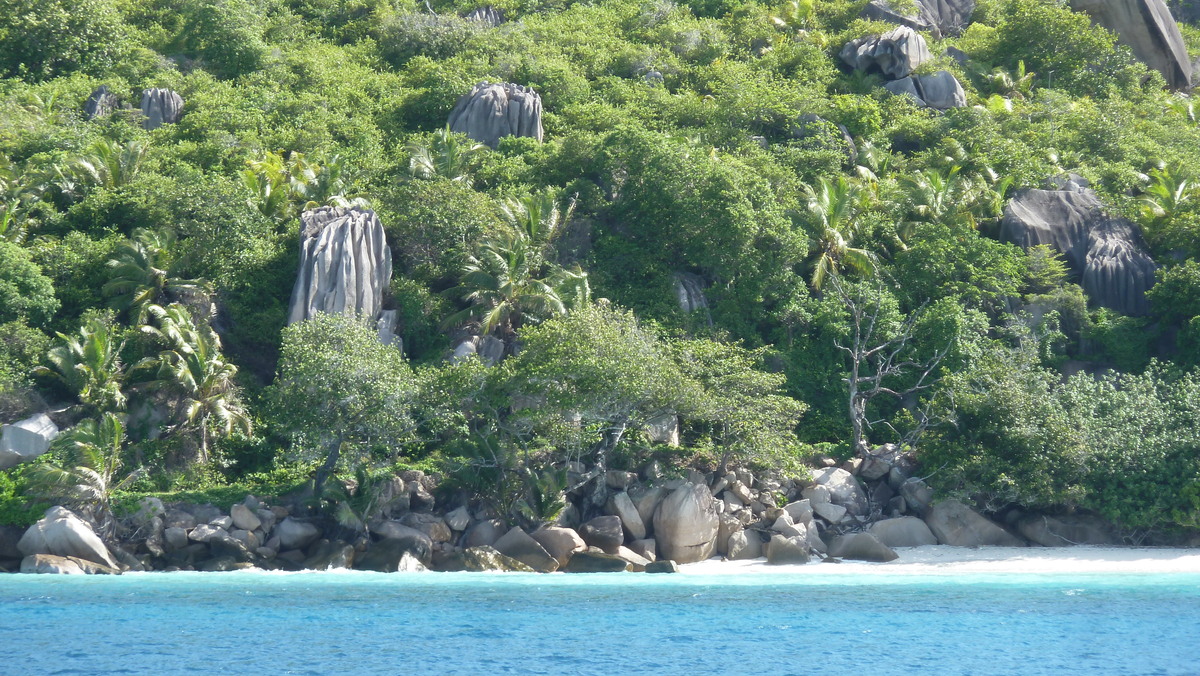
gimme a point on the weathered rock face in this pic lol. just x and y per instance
(483, 534)
(595, 562)
(244, 518)
(101, 103)
(25, 440)
(517, 544)
(685, 524)
(621, 506)
(905, 531)
(484, 559)
(664, 429)
(604, 532)
(689, 292)
(1149, 30)
(294, 534)
(48, 564)
(559, 542)
(489, 349)
(844, 489)
(1106, 253)
(1065, 531)
(486, 15)
(956, 524)
(744, 545)
(896, 53)
(490, 112)
(431, 525)
(861, 547)
(345, 264)
(787, 551)
(940, 90)
(940, 17)
(389, 555)
(330, 555)
(662, 567)
(159, 107)
(61, 533)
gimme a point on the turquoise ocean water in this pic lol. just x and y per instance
(624, 623)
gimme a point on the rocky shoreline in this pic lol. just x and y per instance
(862, 510)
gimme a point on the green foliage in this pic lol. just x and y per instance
(741, 408)
(226, 35)
(89, 365)
(450, 156)
(85, 471)
(1062, 46)
(436, 36)
(26, 294)
(600, 364)
(193, 375)
(1121, 341)
(651, 109)
(430, 224)
(41, 39)
(953, 260)
(340, 392)
(17, 506)
(1176, 300)
(1120, 445)
(835, 207)
(136, 283)
(285, 187)
(508, 283)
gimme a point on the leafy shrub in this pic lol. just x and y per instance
(41, 39)
(436, 36)
(225, 34)
(25, 293)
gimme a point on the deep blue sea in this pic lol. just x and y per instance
(623, 623)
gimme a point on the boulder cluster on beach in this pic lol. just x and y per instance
(614, 521)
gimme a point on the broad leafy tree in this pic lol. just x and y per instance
(340, 394)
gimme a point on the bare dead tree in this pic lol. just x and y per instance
(878, 361)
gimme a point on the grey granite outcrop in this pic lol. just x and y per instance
(490, 112)
(345, 264)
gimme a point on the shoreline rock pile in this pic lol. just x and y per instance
(860, 510)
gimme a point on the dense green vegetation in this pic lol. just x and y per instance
(145, 275)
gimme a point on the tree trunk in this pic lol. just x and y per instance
(335, 451)
(204, 440)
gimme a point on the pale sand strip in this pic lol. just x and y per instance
(945, 560)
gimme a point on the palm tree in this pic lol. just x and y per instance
(836, 206)
(508, 282)
(90, 366)
(1170, 189)
(17, 194)
(449, 155)
(137, 282)
(501, 287)
(537, 218)
(109, 164)
(794, 15)
(193, 371)
(85, 477)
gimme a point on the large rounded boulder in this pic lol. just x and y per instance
(685, 524)
(956, 524)
(60, 533)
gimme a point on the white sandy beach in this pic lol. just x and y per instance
(945, 560)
